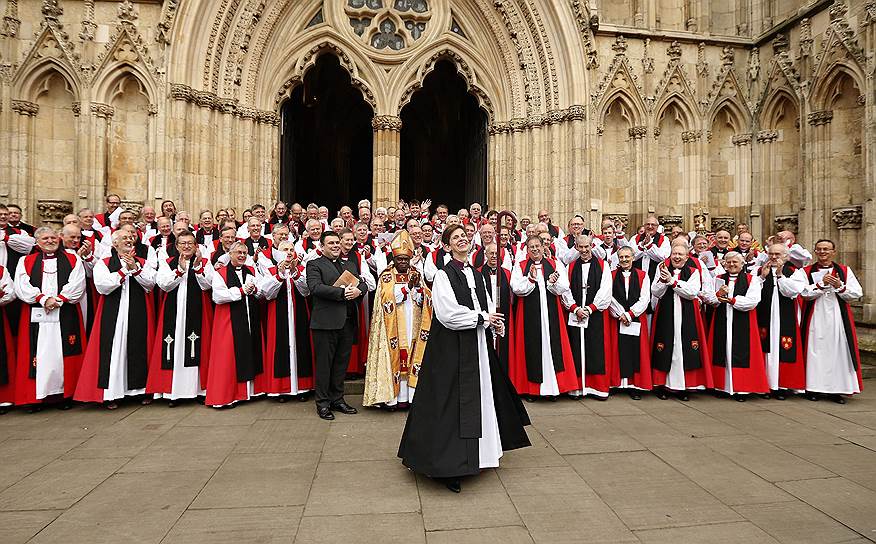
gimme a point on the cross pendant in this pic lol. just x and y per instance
(192, 337)
(168, 340)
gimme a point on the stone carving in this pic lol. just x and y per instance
(582, 18)
(168, 15)
(670, 221)
(135, 206)
(102, 110)
(700, 220)
(767, 136)
(753, 64)
(674, 51)
(818, 118)
(576, 113)
(702, 65)
(727, 56)
(23, 107)
(52, 10)
(228, 106)
(741, 139)
(689, 136)
(11, 22)
(647, 60)
(52, 212)
(88, 24)
(848, 217)
(786, 222)
(805, 37)
(620, 45)
(638, 132)
(386, 122)
(723, 223)
(619, 219)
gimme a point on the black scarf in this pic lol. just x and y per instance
(246, 335)
(194, 319)
(741, 348)
(137, 329)
(220, 251)
(252, 247)
(71, 342)
(628, 347)
(845, 312)
(532, 326)
(304, 352)
(199, 236)
(787, 317)
(469, 374)
(594, 334)
(503, 306)
(664, 329)
(170, 247)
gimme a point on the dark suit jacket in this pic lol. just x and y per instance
(329, 310)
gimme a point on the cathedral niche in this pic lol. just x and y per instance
(326, 139)
(618, 157)
(55, 150)
(128, 141)
(724, 162)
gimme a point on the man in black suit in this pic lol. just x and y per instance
(333, 322)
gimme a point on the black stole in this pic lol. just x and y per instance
(220, 251)
(845, 312)
(628, 347)
(194, 319)
(663, 329)
(304, 352)
(503, 306)
(246, 335)
(469, 370)
(594, 334)
(4, 356)
(532, 326)
(137, 333)
(787, 317)
(652, 270)
(253, 247)
(71, 342)
(199, 236)
(741, 348)
(478, 259)
(170, 247)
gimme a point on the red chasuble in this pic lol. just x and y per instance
(160, 365)
(72, 333)
(525, 363)
(277, 375)
(631, 355)
(746, 356)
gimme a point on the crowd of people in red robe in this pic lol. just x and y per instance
(161, 304)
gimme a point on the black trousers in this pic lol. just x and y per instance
(332, 348)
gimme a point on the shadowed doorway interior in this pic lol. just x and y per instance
(326, 139)
(444, 142)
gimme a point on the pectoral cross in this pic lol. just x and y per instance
(192, 337)
(168, 340)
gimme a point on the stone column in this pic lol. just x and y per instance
(637, 205)
(816, 202)
(387, 153)
(745, 197)
(21, 148)
(848, 221)
(763, 191)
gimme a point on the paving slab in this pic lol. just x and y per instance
(403, 528)
(716, 533)
(283, 436)
(30, 455)
(851, 461)
(259, 479)
(446, 511)
(363, 440)
(58, 485)
(362, 487)
(571, 434)
(505, 535)
(187, 448)
(847, 502)
(137, 508)
(265, 525)
(797, 522)
(766, 460)
(19, 527)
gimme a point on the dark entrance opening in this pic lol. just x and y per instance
(326, 139)
(444, 142)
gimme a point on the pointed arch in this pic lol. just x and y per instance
(28, 86)
(631, 111)
(824, 92)
(106, 86)
(685, 110)
(773, 108)
(737, 114)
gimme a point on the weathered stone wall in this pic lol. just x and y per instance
(757, 111)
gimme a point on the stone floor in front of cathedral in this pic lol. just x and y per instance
(711, 470)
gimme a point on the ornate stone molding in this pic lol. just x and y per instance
(617, 218)
(647, 60)
(135, 206)
(670, 221)
(741, 139)
(386, 122)
(225, 105)
(586, 23)
(638, 132)
(848, 217)
(52, 211)
(817, 118)
(52, 10)
(787, 222)
(11, 22)
(576, 113)
(23, 107)
(767, 136)
(88, 25)
(689, 136)
(861, 100)
(723, 223)
(168, 14)
(805, 37)
(103, 111)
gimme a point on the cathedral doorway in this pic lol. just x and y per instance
(326, 139)
(444, 142)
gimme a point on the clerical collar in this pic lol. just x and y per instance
(585, 261)
(48, 256)
(825, 267)
(734, 276)
(238, 268)
(459, 265)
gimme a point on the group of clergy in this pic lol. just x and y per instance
(152, 305)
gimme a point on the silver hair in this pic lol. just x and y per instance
(581, 237)
(234, 246)
(311, 222)
(43, 230)
(734, 255)
(279, 226)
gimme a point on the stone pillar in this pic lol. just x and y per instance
(848, 221)
(761, 179)
(21, 141)
(638, 205)
(577, 172)
(387, 153)
(818, 197)
(745, 194)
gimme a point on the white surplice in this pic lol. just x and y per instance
(687, 290)
(49, 350)
(829, 365)
(271, 286)
(457, 317)
(791, 287)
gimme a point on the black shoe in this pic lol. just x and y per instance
(739, 398)
(529, 398)
(553, 398)
(344, 408)
(453, 485)
(839, 399)
(325, 413)
(282, 399)
(778, 395)
(34, 408)
(662, 394)
(172, 404)
(812, 396)
(682, 396)
(635, 395)
(302, 397)
(65, 405)
(4, 410)
(765, 396)
(600, 398)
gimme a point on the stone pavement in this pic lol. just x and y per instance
(712, 470)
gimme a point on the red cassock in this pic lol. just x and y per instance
(276, 378)
(95, 366)
(525, 357)
(227, 381)
(160, 368)
(632, 358)
(72, 337)
(7, 357)
(359, 354)
(746, 364)
(695, 352)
